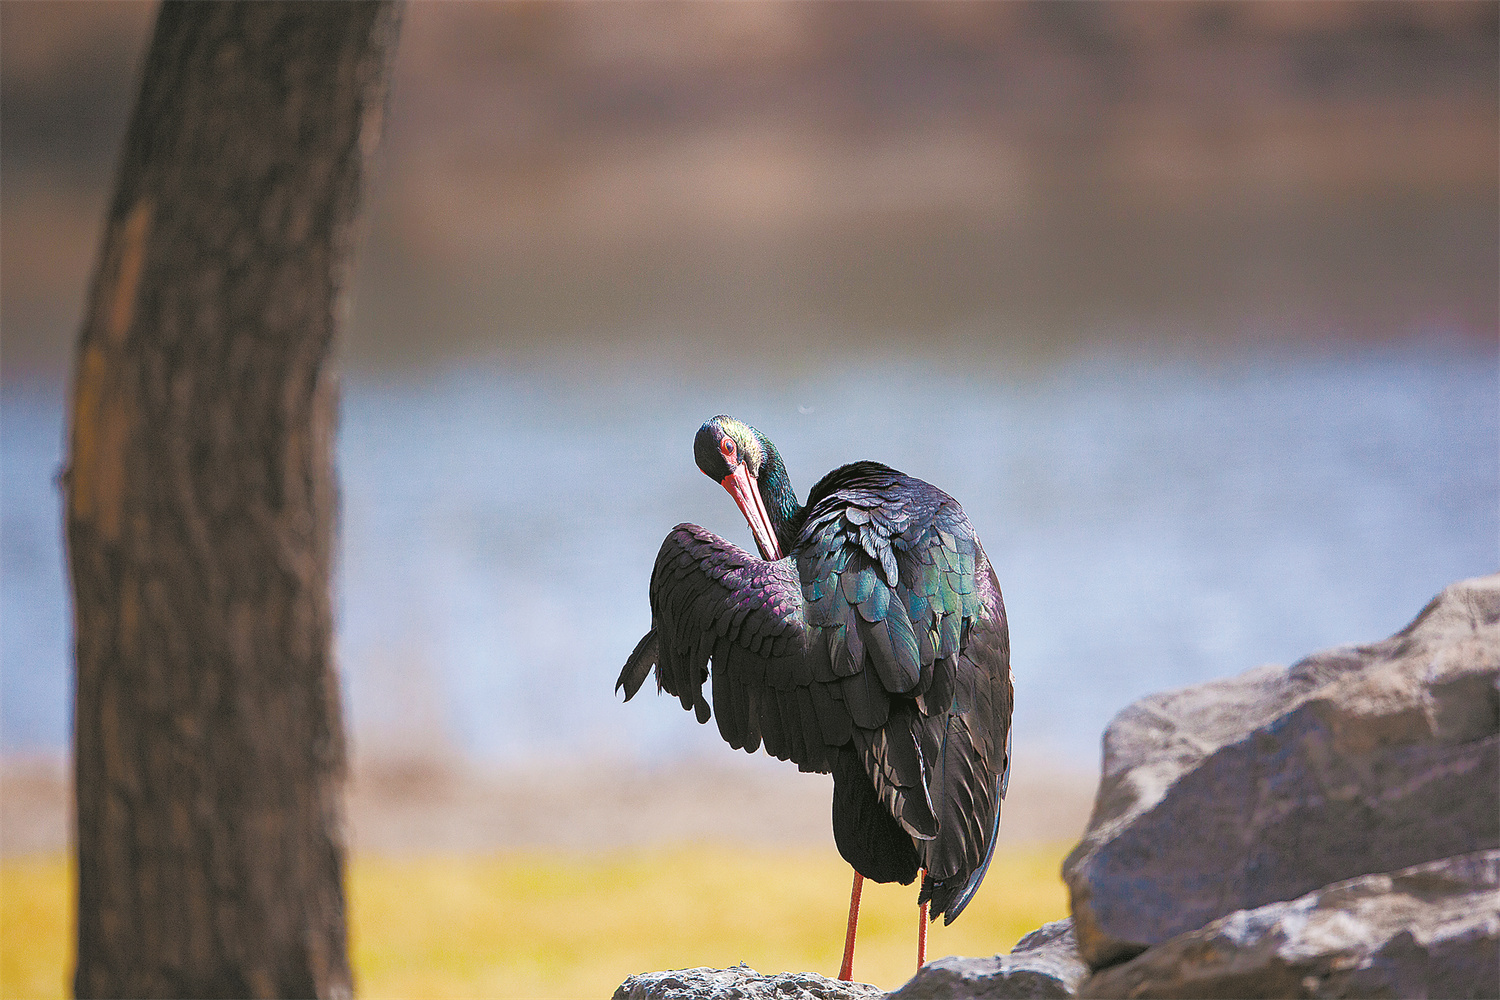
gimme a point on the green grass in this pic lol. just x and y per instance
(573, 924)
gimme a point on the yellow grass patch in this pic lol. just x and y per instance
(574, 924)
(36, 927)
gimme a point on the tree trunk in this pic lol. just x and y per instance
(200, 501)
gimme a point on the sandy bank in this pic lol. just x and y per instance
(415, 806)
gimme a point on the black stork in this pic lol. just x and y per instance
(869, 640)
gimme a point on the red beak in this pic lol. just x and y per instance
(743, 487)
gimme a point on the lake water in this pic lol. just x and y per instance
(1154, 523)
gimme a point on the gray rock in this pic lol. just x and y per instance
(1432, 930)
(740, 983)
(1265, 786)
(1044, 963)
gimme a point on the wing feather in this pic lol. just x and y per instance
(714, 604)
(915, 629)
(969, 745)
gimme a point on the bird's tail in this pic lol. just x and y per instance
(949, 896)
(965, 781)
(638, 665)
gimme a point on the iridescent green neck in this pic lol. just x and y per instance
(780, 499)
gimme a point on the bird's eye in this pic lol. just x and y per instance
(726, 447)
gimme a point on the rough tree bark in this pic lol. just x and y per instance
(200, 501)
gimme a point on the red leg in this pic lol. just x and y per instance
(922, 935)
(922, 916)
(847, 969)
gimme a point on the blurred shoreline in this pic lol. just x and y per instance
(766, 179)
(1153, 526)
(413, 806)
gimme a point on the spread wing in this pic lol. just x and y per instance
(712, 600)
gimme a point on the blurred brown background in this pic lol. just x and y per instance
(1026, 176)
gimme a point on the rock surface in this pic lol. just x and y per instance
(740, 983)
(1044, 963)
(1432, 930)
(1266, 786)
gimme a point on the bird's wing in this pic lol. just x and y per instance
(894, 577)
(968, 745)
(710, 599)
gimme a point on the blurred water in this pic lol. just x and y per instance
(1153, 524)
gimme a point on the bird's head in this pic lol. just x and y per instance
(737, 456)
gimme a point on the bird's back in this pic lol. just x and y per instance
(897, 585)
